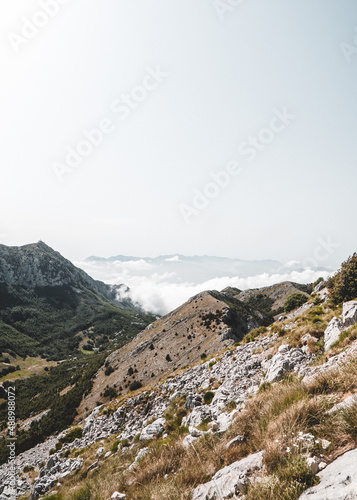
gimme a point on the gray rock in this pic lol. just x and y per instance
(195, 432)
(230, 480)
(320, 286)
(188, 440)
(94, 465)
(333, 332)
(349, 314)
(154, 429)
(118, 496)
(197, 415)
(100, 451)
(224, 421)
(232, 442)
(345, 404)
(338, 481)
(142, 453)
(313, 463)
(193, 400)
(285, 361)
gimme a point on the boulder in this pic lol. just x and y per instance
(193, 400)
(194, 432)
(320, 286)
(345, 404)
(232, 442)
(142, 453)
(94, 465)
(333, 332)
(188, 440)
(285, 361)
(230, 480)
(154, 429)
(349, 314)
(197, 415)
(313, 463)
(224, 421)
(338, 481)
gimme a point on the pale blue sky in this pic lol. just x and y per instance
(225, 77)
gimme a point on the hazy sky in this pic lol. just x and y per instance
(171, 92)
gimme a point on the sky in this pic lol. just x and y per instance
(205, 127)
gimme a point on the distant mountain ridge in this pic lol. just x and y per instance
(191, 268)
(45, 301)
(38, 265)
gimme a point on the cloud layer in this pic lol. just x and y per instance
(159, 290)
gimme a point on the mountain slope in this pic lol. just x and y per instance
(204, 325)
(45, 301)
(269, 299)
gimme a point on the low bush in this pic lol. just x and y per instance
(343, 285)
(135, 385)
(207, 397)
(294, 301)
(73, 434)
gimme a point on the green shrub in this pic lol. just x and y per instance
(343, 285)
(208, 396)
(75, 433)
(108, 370)
(135, 385)
(110, 392)
(114, 447)
(294, 301)
(317, 300)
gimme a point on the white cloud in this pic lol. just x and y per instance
(160, 293)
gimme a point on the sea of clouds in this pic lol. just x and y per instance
(159, 286)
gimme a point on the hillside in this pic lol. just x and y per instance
(46, 302)
(269, 298)
(206, 324)
(265, 416)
